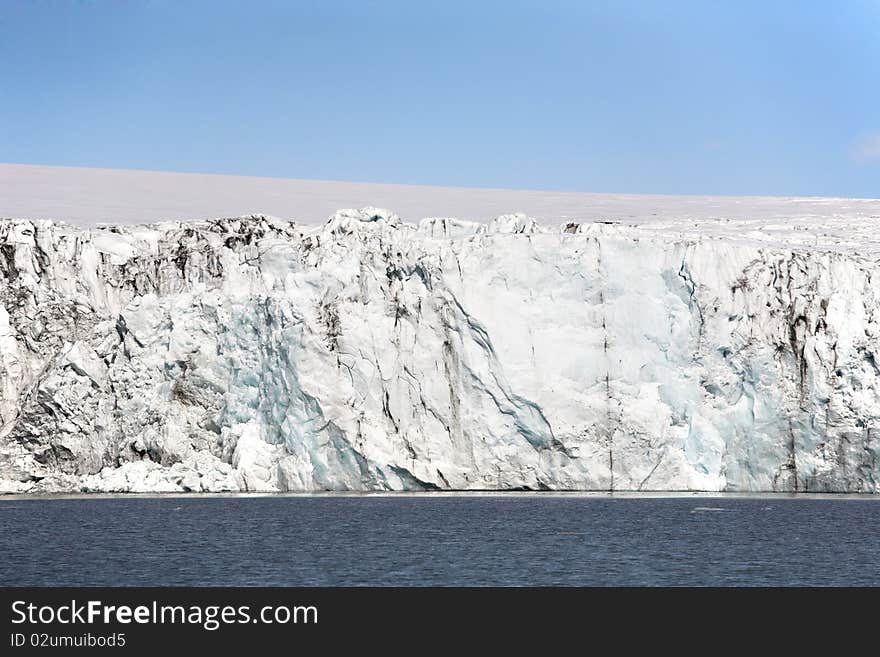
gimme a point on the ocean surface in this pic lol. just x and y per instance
(439, 540)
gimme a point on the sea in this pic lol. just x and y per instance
(516, 539)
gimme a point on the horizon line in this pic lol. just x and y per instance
(473, 188)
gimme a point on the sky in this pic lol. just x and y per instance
(673, 97)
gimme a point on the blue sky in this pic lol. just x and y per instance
(734, 97)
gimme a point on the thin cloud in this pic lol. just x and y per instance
(867, 148)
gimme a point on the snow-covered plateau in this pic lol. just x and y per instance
(372, 354)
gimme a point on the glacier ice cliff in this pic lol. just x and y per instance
(372, 354)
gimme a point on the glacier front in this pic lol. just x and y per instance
(256, 354)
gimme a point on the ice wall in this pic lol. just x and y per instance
(372, 354)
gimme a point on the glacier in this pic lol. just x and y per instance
(368, 353)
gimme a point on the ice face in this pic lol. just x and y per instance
(373, 354)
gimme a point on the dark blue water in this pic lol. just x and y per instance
(449, 540)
